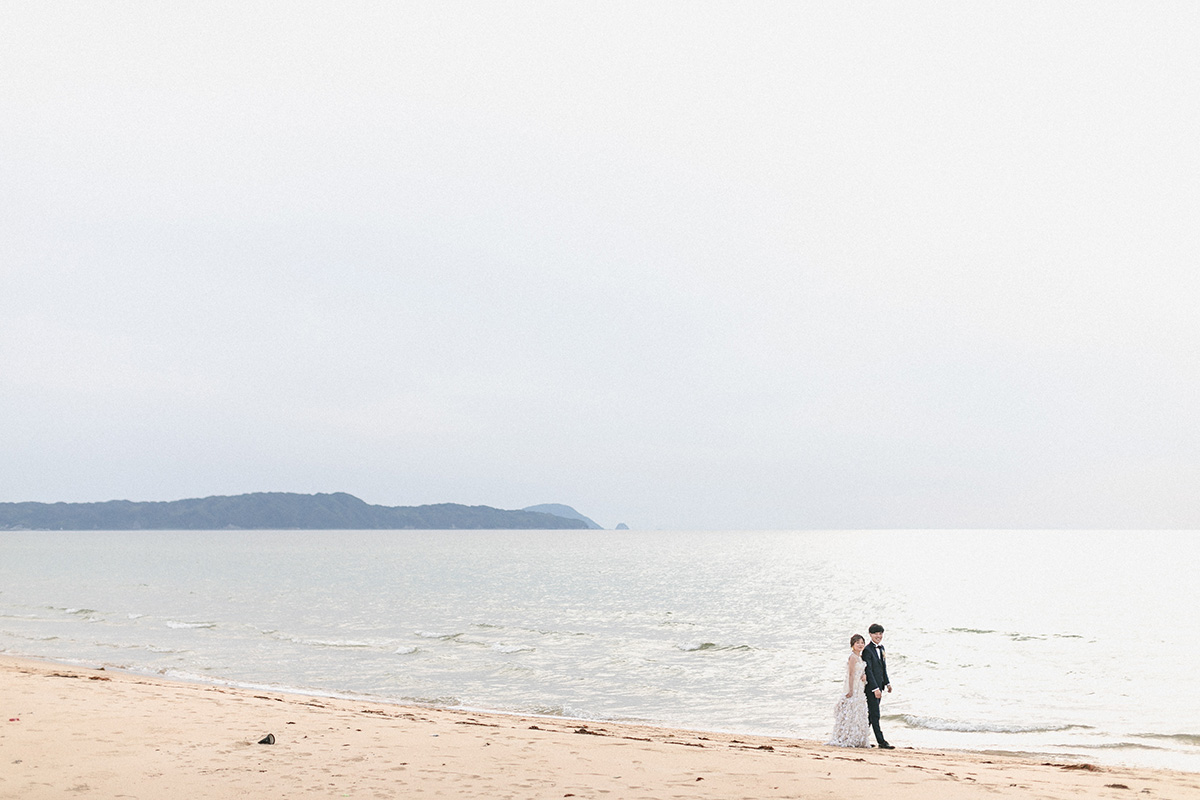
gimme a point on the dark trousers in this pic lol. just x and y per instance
(873, 716)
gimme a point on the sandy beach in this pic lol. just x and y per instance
(72, 732)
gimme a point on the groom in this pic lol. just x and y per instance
(877, 680)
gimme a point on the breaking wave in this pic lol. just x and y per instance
(938, 724)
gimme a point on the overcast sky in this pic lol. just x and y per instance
(679, 265)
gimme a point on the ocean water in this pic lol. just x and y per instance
(1072, 644)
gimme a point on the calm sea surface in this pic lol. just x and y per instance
(1072, 643)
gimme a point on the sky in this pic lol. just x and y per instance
(679, 265)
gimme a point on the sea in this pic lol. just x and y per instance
(1074, 646)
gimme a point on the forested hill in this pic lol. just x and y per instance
(266, 511)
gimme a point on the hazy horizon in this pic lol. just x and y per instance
(778, 266)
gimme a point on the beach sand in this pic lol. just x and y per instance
(69, 732)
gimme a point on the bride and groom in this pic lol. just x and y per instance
(856, 715)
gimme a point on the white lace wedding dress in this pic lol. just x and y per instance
(850, 726)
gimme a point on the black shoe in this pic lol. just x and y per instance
(886, 746)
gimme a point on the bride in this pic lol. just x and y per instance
(850, 726)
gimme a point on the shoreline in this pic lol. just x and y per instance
(316, 693)
(68, 728)
(1079, 760)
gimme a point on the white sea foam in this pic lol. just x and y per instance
(936, 724)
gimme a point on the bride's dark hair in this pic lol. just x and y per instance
(856, 638)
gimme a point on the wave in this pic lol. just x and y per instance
(352, 644)
(401, 649)
(1179, 738)
(938, 724)
(189, 625)
(442, 702)
(177, 674)
(518, 630)
(148, 648)
(349, 643)
(310, 692)
(563, 710)
(1110, 746)
(435, 635)
(27, 637)
(694, 647)
(1018, 637)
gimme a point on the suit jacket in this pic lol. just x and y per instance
(877, 677)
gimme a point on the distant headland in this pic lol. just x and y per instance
(279, 511)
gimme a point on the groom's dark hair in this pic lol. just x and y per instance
(876, 628)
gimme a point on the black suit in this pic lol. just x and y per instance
(877, 678)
